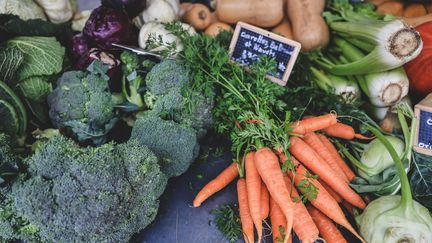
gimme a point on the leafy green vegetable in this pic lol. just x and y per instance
(420, 179)
(36, 88)
(9, 123)
(228, 222)
(42, 55)
(8, 96)
(12, 26)
(11, 59)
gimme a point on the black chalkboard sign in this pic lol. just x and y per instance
(423, 138)
(249, 42)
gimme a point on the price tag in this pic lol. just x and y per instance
(249, 42)
(423, 136)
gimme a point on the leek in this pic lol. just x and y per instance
(348, 90)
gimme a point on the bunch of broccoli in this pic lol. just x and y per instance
(74, 194)
(177, 116)
(82, 105)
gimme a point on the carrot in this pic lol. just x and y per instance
(267, 164)
(217, 184)
(313, 124)
(330, 191)
(327, 229)
(345, 168)
(415, 10)
(323, 200)
(393, 8)
(278, 221)
(253, 186)
(314, 142)
(245, 217)
(312, 160)
(303, 224)
(264, 202)
(340, 130)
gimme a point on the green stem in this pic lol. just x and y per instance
(406, 200)
(352, 159)
(321, 79)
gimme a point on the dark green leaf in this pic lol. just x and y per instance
(9, 120)
(11, 59)
(420, 179)
(12, 26)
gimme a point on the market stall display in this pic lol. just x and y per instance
(109, 115)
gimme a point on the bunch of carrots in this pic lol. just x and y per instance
(265, 190)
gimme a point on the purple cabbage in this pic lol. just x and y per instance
(106, 26)
(79, 46)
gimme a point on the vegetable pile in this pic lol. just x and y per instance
(93, 127)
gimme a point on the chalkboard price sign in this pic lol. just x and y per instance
(249, 42)
(423, 138)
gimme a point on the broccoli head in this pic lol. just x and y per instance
(175, 144)
(172, 95)
(82, 106)
(103, 194)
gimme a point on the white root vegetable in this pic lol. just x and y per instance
(58, 11)
(80, 19)
(154, 31)
(162, 11)
(25, 9)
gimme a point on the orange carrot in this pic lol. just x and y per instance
(267, 164)
(313, 124)
(330, 191)
(264, 202)
(323, 200)
(327, 229)
(278, 221)
(303, 224)
(245, 217)
(314, 142)
(415, 10)
(313, 161)
(217, 184)
(393, 8)
(253, 186)
(346, 169)
(340, 130)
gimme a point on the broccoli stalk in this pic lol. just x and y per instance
(131, 81)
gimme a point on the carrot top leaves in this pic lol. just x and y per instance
(228, 222)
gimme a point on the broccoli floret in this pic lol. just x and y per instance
(12, 226)
(103, 194)
(176, 145)
(172, 95)
(167, 75)
(82, 106)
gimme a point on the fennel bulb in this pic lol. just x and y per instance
(395, 44)
(348, 90)
(386, 88)
(396, 219)
(375, 158)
